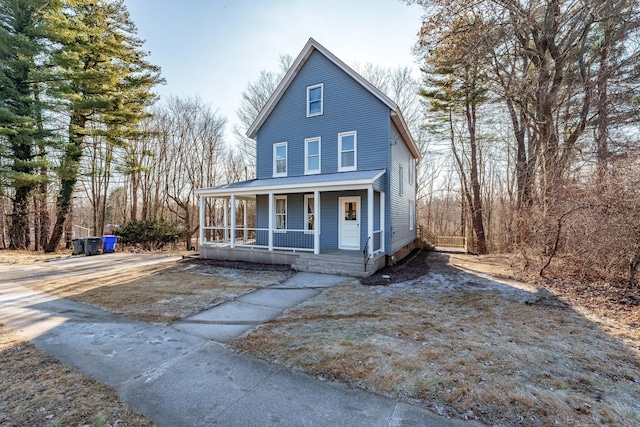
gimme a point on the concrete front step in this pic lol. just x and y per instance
(335, 264)
(359, 265)
(332, 269)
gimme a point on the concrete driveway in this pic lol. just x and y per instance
(179, 376)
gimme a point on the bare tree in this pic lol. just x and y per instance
(191, 135)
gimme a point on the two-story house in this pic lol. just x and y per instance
(335, 177)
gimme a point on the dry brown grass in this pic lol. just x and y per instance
(29, 257)
(465, 346)
(37, 390)
(161, 293)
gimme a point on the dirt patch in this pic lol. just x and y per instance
(410, 267)
(37, 390)
(465, 346)
(165, 293)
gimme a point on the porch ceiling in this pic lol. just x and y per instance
(296, 184)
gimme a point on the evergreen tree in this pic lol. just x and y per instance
(105, 82)
(22, 44)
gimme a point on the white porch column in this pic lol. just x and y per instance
(316, 222)
(271, 210)
(233, 220)
(244, 220)
(202, 224)
(383, 245)
(225, 221)
(370, 219)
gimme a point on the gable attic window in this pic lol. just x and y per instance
(280, 159)
(314, 100)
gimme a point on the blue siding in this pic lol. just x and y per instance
(329, 216)
(347, 107)
(401, 235)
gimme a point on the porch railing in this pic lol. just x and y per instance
(296, 240)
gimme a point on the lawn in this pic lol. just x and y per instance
(508, 352)
(466, 346)
(164, 293)
(37, 390)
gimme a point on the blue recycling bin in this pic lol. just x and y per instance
(109, 244)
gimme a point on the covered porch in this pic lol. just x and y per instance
(311, 214)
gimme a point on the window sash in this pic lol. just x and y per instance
(280, 216)
(280, 159)
(309, 214)
(348, 148)
(312, 149)
(315, 95)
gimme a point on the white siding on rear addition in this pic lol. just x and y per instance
(402, 233)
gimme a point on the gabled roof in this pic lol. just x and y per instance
(312, 45)
(292, 184)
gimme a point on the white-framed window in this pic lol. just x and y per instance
(280, 159)
(412, 171)
(347, 151)
(412, 214)
(312, 156)
(315, 105)
(309, 207)
(280, 206)
(400, 180)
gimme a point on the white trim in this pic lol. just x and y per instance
(400, 180)
(202, 221)
(306, 214)
(412, 171)
(306, 156)
(341, 201)
(383, 242)
(412, 215)
(355, 151)
(272, 208)
(370, 220)
(286, 159)
(316, 222)
(337, 185)
(275, 213)
(296, 66)
(233, 220)
(293, 71)
(309, 88)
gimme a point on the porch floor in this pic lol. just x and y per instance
(332, 261)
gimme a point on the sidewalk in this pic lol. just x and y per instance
(181, 378)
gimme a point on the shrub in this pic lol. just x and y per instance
(151, 234)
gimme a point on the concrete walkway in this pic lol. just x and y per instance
(177, 376)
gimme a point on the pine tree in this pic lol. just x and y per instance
(105, 82)
(22, 44)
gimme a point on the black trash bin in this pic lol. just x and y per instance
(78, 246)
(91, 246)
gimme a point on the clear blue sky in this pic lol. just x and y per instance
(214, 48)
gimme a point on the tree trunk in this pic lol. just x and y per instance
(69, 176)
(476, 205)
(19, 228)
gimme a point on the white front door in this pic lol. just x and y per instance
(349, 229)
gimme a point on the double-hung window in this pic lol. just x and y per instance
(412, 171)
(280, 159)
(412, 214)
(281, 212)
(311, 156)
(347, 151)
(309, 214)
(314, 100)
